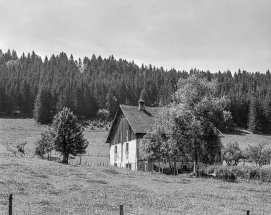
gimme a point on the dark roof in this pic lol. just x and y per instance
(140, 121)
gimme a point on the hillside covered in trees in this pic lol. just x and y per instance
(28, 84)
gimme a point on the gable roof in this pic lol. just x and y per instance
(140, 121)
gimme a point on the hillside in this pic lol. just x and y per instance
(245, 138)
(44, 187)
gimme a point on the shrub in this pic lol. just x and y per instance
(232, 154)
(259, 154)
(231, 174)
(45, 144)
(265, 175)
(21, 146)
(103, 114)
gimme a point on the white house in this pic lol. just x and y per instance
(129, 126)
(131, 123)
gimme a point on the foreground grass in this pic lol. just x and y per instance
(43, 187)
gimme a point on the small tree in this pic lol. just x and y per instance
(45, 144)
(69, 138)
(232, 154)
(259, 154)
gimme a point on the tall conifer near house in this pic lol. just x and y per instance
(111, 103)
(69, 138)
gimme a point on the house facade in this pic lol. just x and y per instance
(129, 126)
(131, 123)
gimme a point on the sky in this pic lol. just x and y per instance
(182, 34)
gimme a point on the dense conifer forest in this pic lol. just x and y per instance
(29, 84)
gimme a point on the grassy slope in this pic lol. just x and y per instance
(245, 138)
(44, 187)
(14, 131)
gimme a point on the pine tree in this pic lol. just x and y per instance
(257, 119)
(111, 104)
(69, 139)
(43, 113)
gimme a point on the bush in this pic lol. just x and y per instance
(259, 154)
(45, 144)
(231, 174)
(21, 146)
(232, 154)
(103, 114)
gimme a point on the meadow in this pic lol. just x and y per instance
(245, 138)
(47, 187)
(15, 131)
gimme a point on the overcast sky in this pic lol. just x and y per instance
(183, 34)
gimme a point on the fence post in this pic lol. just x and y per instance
(247, 212)
(121, 210)
(10, 205)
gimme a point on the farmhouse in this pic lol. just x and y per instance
(129, 126)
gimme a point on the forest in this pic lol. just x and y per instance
(90, 86)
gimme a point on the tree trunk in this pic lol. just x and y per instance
(175, 169)
(65, 158)
(65, 154)
(170, 166)
(80, 159)
(196, 162)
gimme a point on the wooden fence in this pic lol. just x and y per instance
(10, 206)
(121, 210)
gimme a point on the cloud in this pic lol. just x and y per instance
(213, 34)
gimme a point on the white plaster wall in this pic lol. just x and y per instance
(122, 160)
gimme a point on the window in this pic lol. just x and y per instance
(128, 166)
(116, 149)
(127, 147)
(127, 150)
(127, 135)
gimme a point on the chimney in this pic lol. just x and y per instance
(141, 105)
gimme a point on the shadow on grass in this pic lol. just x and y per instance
(111, 171)
(237, 131)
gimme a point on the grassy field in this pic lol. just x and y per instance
(44, 187)
(245, 138)
(14, 131)
(47, 187)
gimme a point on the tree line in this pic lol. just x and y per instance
(35, 87)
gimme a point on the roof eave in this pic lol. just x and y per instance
(111, 128)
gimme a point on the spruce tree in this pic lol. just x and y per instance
(111, 104)
(257, 119)
(69, 138)
(43, 110)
